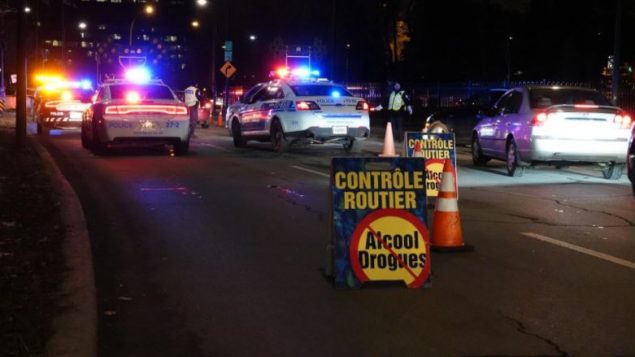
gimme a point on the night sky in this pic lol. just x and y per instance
(449, 40)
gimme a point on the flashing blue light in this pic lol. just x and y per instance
(303, 72)
(138, 75)
(86, 84)
(335, 94)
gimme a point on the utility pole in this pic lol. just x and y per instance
(20, 114)
(617, 39)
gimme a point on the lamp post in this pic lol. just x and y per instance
(148, 10)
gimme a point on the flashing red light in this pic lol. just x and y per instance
(133, 97)
(282, 72)
(137, 109)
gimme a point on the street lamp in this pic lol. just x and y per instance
(148, 10)
(27, 9)
(195, 24)
(201, 2)
(252, 37)
(82, 25)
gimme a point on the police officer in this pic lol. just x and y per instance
(192, 95)
(398, 106)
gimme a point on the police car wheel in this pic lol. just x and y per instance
(42, 129)
(239, 141)
(85, 142)
(182, 147)
(279, 143)
(352, 145)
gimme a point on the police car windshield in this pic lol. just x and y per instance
(546, 97)
(144, 91)
(316, 90)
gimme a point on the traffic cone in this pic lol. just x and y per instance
(417, 151)
(446, 234)
(389, 143)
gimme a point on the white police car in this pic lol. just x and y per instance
(299, 109)
(136, 111)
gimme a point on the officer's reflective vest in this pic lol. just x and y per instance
(190, 96)
(396, 102)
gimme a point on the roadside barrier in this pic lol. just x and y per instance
(2, 106)
(446, 233)
(389, 143)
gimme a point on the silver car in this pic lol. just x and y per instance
(556, 126)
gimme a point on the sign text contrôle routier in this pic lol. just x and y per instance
(379, 189)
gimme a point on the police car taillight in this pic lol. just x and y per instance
(539, 119)
(362, 105)
(306, 105)
(148, 108)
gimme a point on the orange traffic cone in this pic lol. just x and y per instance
(389, 143)
(446, 233)
(417, 152)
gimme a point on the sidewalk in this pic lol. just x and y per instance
(47, 304)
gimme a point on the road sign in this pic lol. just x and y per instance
(435, 148)
(379, 221)
(228, 69)
(228, 50)
(391, 245)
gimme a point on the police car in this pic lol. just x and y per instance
(134, 111)
(61, 104)
(299, 108)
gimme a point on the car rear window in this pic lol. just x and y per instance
(145, 92)
(315, 90)
(546, 97)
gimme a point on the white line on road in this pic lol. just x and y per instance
(593, 253)
(311, 171)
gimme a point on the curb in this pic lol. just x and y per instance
(75, 329)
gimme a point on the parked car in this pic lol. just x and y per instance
(553, 125)
(630, 158)
(461, 120)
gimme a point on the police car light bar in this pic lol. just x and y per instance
(138, 75)
(300, 72)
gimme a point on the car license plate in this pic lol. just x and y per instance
(76, 115)
(340, 130)
(148, 125)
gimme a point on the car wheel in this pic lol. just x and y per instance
(278, 142)
(477, 153)
(182, 147)
(85, 142)
(97, 146)
(352, 145)
(612, 171)
(42, 129)
(205, 125)
(239, 141)
(514, 168)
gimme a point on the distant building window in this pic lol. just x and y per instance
(101, 27)
(83, 44)
(171, 38)
(115, 1)
(116, 36)
(146, 37)
(101, 0)
(56, 43)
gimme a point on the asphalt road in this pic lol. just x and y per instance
(222, 252)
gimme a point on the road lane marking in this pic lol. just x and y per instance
(593, 253)
(311, 171)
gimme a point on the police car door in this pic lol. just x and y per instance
(247, 108)
(262, 108)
